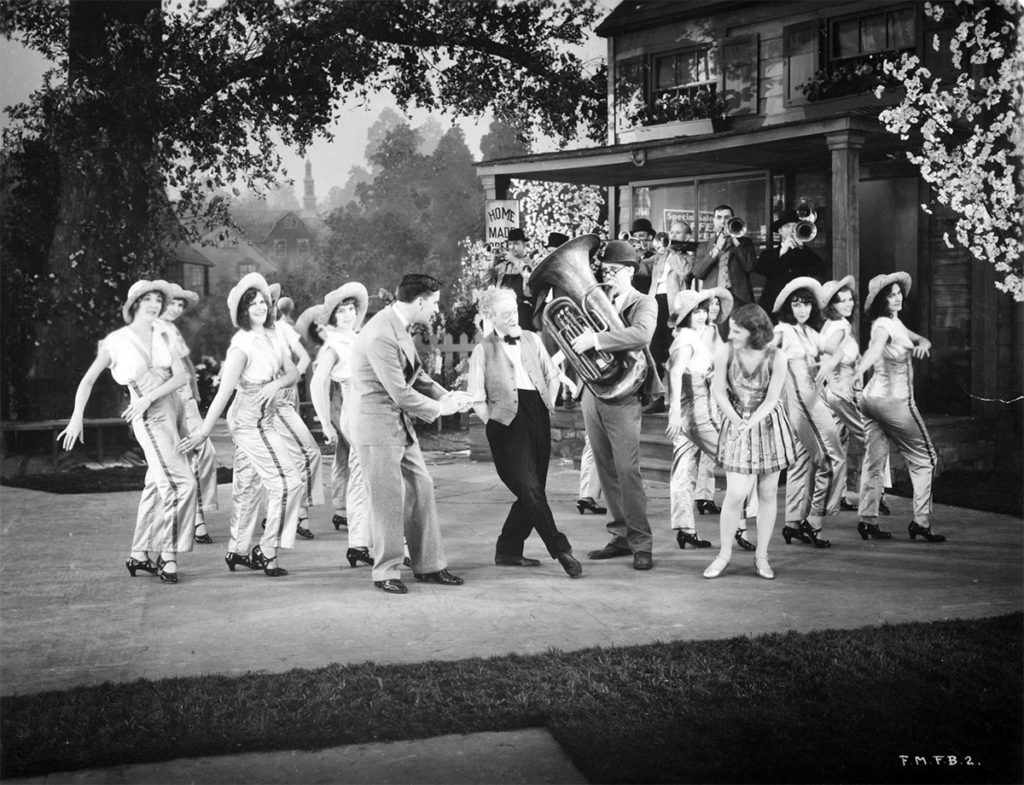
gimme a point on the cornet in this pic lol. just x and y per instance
(736, 227)
(806, 229)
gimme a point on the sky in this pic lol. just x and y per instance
(21, 72)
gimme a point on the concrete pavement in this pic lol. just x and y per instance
(71, 615)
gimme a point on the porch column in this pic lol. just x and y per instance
(495, 185)
(845, 148)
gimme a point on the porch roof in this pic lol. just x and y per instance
(797, 144)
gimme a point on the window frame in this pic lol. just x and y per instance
(280, 249)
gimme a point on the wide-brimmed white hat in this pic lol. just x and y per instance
(249, 281)
(724, 300)
(803, 282)
(830, 289)
(688, 299)
(351, 290)
(275, 291)
(882, 282)
(190, 297)
(139, 288)
(306, 318)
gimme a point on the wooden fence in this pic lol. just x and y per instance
(444, 352)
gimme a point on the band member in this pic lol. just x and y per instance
(642, 236)
(692, 424)
(257, 368)
(390, 389)
(726, 260)
(512, 384)
(887, 403)
(511, 269)
(142, 356)
(790, 259)
(613, 427)
(669, 275)
(756, 442)
(341, 316)
(814, 483)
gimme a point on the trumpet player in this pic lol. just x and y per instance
(613, 427)
(511, 270)
(792, 258)
(726, 261)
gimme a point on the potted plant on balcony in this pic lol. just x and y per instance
(677, 112)
(858, 77)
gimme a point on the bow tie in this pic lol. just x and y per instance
(510, 339)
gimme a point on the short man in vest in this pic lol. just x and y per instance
(512, 385)
(613, 427)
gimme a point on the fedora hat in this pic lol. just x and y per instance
(785, 217)
(880, 283)
(351, 290)
(830, 289)
(306, 318)
(642, 225)
(190, 297)
(619, 252)
(516, 234)
(139, 288)
(803, 282)
(249, 281)
(555, 239)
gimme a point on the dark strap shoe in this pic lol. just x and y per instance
(642, 560)
(572, 567)
(339, 521)
(443, 577)
(609, 552)
(391, 586)
(515, 561)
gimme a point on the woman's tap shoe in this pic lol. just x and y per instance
(262, 562)
(917, 530)
(708, 507)
(234, 559)
(135, 565)
(357, 555)
(790, 533)
(684, 538)
(589, 505)
(871, 530)
(812, 535)
(742, 541)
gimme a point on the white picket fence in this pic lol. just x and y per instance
(444, 352)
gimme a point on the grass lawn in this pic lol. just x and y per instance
(832, 706)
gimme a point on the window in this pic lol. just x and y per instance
(800, 54)
(856, 38)
(303, 248)
(280, 249)
(195, 278)
(244, 268)
(289, 222)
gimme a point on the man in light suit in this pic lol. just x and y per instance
(613, 427)
(390, 388)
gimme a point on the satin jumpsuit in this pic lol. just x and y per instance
(889, 410)
(344, 456)
(700, 426)
(262, 455)
(167, 514)
(815, 480)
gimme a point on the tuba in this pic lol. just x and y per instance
(582, 303)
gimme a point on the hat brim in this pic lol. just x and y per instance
(876, 286)
(702, 296)
(830, 289)
(139, 288)
(306, 318)
(725, 299)
(351, 290)
(249, 281)
(803, 282)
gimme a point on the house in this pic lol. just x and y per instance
(706, 107)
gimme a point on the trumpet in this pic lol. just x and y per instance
(736, 227)
(806, 229)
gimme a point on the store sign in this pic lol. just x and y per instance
(502, 215)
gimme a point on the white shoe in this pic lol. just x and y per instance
(763, 568)
(716, 568)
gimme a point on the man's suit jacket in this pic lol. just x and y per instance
(739, 261)
(639, 313)
(389, 384)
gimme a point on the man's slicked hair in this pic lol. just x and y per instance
(416, 285)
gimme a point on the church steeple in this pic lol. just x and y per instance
(308, 195)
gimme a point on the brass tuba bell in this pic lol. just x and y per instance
(582, 303)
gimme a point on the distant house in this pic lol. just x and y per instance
(288, 237)
(231, 256)
(191, 268)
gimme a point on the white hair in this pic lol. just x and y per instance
(492, 297)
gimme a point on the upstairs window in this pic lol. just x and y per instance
(860, 37)
(289, 222)
(280, 248)
(303, 248)
(244, 268)
(195, 278)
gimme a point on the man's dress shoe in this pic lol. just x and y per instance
(443, 577)
(391, 586)
(609, 552)
(515, 561)
(642, 560)
(572, 567)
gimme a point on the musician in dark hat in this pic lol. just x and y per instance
(790, 259)
(613, 427)
(511, 270)
(642, 235)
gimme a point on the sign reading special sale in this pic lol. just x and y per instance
(502, 215)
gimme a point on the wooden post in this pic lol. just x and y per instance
(845, 147)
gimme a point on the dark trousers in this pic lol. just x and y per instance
(521, 452)
(661, 341)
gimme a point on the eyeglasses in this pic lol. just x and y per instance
(612, 269)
